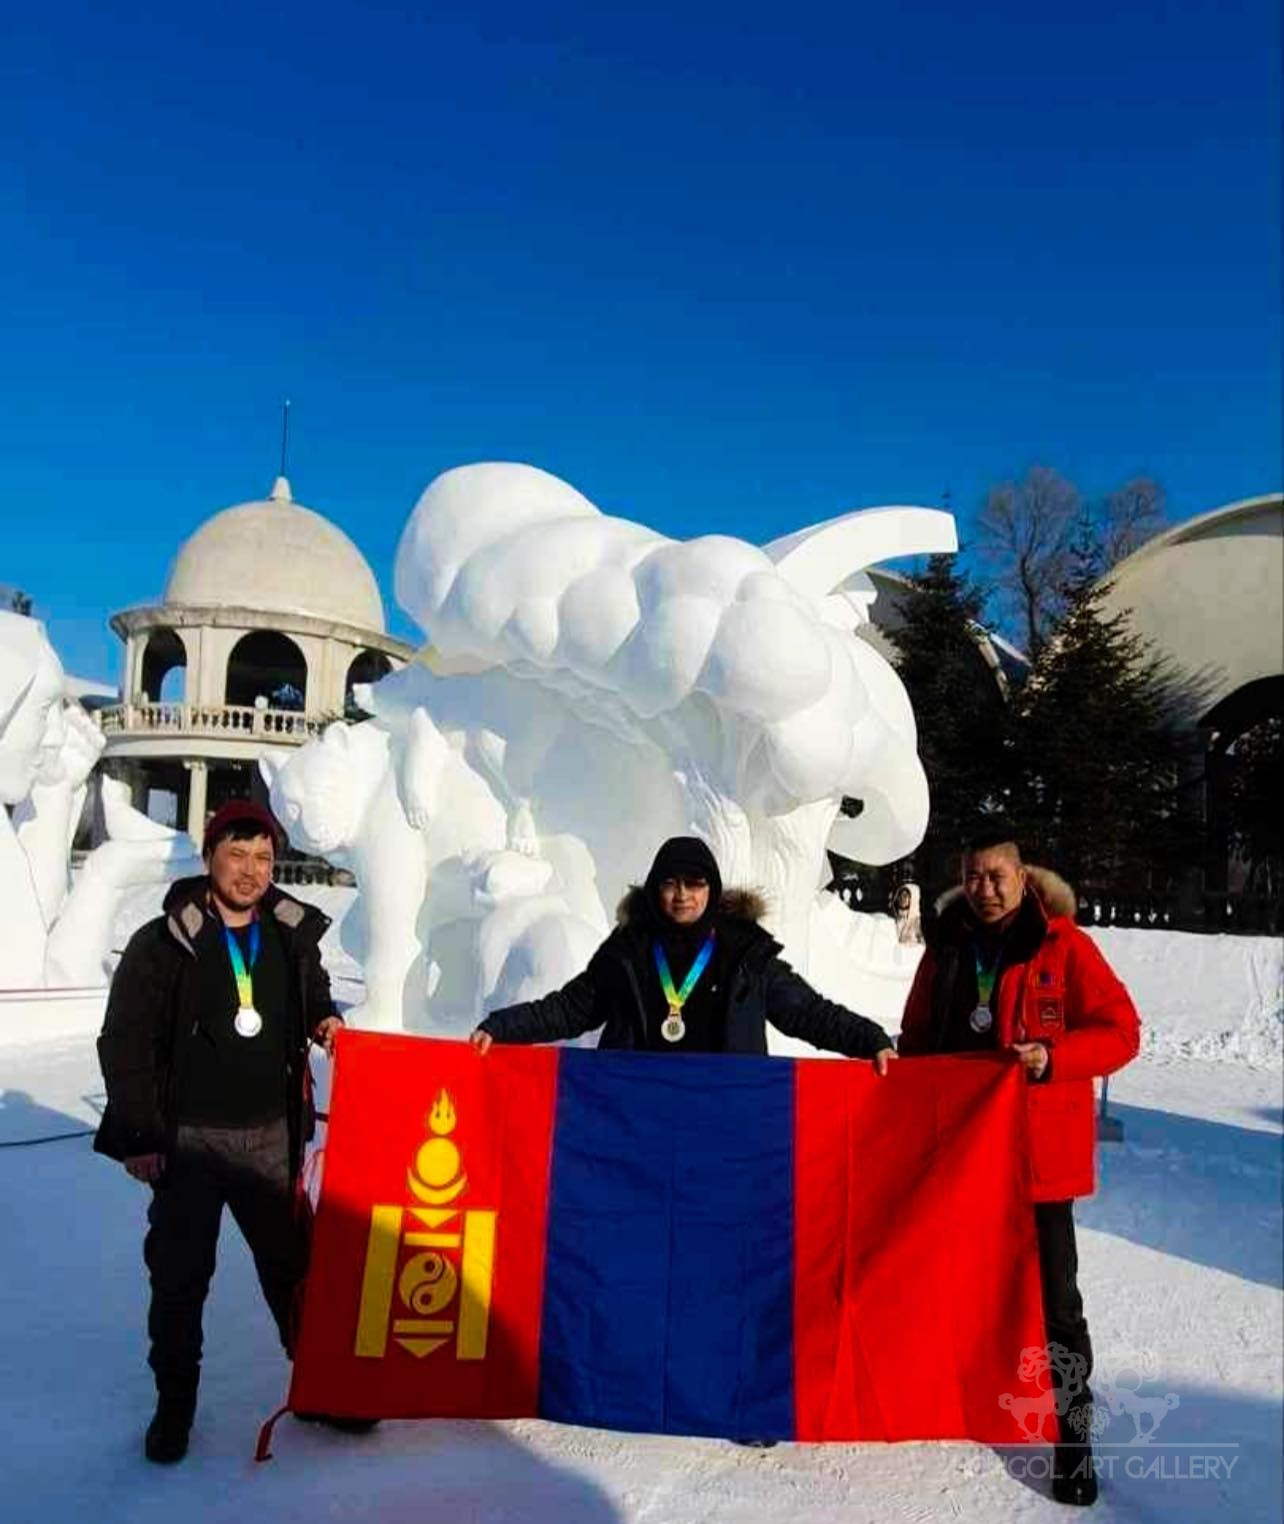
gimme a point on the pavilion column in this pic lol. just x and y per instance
(135, 647)
(198, 780)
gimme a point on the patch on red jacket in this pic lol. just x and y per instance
(1050, 1013)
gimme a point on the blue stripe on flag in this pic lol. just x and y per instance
(668, 1285)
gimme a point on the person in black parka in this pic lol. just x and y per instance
(204, 1055)
(664, 928)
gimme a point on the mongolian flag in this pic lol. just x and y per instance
(682, 1244)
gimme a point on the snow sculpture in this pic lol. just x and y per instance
(591, 688)
(54, 933)
(337, 799)
(591, 787)
(31, 736)
(445, 914)
(501, 930)
(625, 685)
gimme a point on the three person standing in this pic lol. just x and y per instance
(212, 1010)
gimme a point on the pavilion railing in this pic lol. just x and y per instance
(209, 720)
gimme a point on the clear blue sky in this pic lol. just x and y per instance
(725, 268)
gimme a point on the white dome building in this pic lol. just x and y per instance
(270, 615)
(280, 557)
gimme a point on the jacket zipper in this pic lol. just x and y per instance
(637, 999)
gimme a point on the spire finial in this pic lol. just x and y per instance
(281, 486)
(285, 432)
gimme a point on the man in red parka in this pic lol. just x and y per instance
(1007, 969)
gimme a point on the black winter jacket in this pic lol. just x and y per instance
(760, 987)
(151, 1019)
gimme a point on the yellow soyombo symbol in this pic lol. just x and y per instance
(446, 1281)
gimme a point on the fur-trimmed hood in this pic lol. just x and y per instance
(736, 904)
(1054, 895)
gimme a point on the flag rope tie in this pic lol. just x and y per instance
(263, 1450)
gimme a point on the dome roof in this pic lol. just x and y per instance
(278, 556)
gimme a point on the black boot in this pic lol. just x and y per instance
(1074, 1478)
(166, 1440)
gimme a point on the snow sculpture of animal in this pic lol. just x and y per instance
(616, 680)
(425, 839)
(337, 798)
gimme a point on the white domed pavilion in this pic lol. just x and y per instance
(277, 556)
(269, 616)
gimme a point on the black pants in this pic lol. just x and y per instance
(1063, 1312)
(248, 1169)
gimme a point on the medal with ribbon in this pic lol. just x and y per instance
(673, 1028)
(248, 1022)
(982, 1019)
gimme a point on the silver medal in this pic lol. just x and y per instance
(248, 1022)
(981, 1019)
(673, 1029)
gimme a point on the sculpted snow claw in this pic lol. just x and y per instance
(423, 758)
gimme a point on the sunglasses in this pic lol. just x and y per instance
(684, 881)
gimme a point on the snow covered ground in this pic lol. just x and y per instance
(1181, 1265)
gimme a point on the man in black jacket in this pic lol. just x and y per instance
(204, 1051)
(688, 969)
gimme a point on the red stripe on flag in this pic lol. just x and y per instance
(426, 1281)
(916, 1285)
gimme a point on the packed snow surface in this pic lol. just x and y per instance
(1180, 1263)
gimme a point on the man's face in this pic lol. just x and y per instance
(240, 871)
(684, 897)
(993, 883)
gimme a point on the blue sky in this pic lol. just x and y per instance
(725, 268)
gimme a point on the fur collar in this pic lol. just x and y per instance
(736, 904)
(1055, 896)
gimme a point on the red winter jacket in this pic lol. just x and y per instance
(1054, 987)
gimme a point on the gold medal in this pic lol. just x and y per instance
(673, 1028)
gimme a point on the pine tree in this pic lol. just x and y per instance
(959, 709)
(1100, 746)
